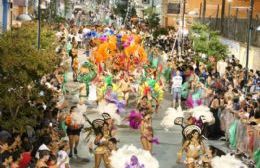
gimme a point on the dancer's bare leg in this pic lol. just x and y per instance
(106, 160)
(98, 158)
(71, 142)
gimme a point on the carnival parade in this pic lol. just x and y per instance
(106, 89)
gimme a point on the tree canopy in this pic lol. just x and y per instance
(21, 68)
(152, 18)
(121, 9)
(206, 41)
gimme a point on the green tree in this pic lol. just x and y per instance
(160, 31)
(206, 41)
(121, 9)
(152, 18)
(21, 68)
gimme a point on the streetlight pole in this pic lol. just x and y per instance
(11, 14)
(204, 11)
(222, 15)
(39, 26)
(152, 4)
(182, 26)
(250, 28)
(229, 11)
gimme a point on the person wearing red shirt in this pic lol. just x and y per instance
(25, 156)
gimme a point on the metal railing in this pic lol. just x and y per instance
(235, 28)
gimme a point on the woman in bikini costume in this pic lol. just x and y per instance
(110, 122)
(147, 132)
(193, 147)
(144, 106)
(102, 137)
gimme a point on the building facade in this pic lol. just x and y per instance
(232, 7)
(194, 9)
(171, 12)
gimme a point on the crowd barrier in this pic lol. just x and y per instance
(247, 137)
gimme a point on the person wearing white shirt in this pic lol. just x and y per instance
(176, 88)
(221, 67)
(63, 158)
(81, 107)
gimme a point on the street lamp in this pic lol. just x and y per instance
(258, 28)
(182, 25)
(250, 28)
(11, 13)
(41, 5)
(229, 10)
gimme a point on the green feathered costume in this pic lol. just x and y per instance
(87, 77)
(257, 157)
(232, 134)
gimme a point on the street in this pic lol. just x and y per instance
(112, 71)
(165, 152)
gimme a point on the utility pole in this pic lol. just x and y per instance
(182, 26)
(216, 24)
(200, 11)
(250, 28)
(229, 10)
(222, 15)
(204, 10)
(11, 14)
(153, 4)
(39, 25)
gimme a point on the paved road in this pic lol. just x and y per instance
(165, 152)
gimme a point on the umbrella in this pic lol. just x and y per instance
(4, 136)
(77, 7)
(24, 17)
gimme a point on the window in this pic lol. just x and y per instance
(173, 8)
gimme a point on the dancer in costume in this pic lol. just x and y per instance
(110, 104)
(75, 68)
(147, 133)
(144, 106)
(74, 61)
(153, 91)
(103, 134)
(102, 150)
(171, 114)
(74, 124)
(129, 156)
(87, 74)
(110, 121)
(194, 96)
(193, 146)
(125, 88)
(82, 92)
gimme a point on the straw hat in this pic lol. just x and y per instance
(189, 129)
